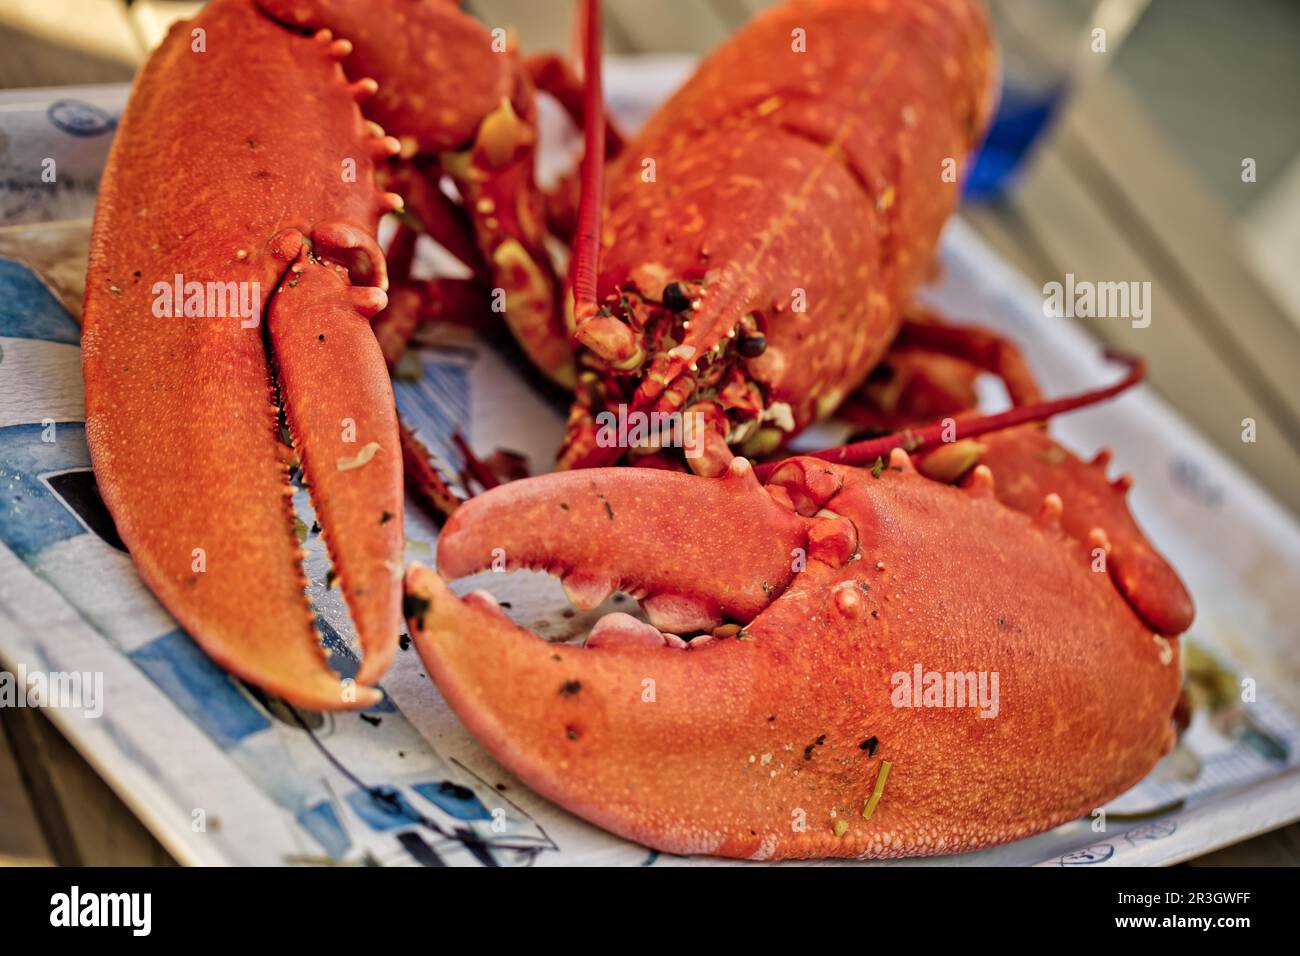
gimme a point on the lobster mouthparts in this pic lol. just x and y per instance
(881, 670)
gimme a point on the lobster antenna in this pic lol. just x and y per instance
(931, 436)
(586, 247)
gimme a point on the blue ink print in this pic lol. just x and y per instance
(1097, 853)
(80, 119)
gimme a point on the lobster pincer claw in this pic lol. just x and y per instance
(345, 430)
(695, 552)
(829, 723)
(184, 401)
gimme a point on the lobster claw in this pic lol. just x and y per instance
(345, 430)
(785, 734)
(568, 718)
(637, 530)
(183, 401)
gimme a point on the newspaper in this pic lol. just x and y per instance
(222, 774)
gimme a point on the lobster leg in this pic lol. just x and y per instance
(495, 177)
(979, 347)
(414, 304)
(553, 74)
(436, 215)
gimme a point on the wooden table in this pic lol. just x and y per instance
(1105, 197)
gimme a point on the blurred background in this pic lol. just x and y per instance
(1165, 148)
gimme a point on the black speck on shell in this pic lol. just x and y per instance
(414, 606)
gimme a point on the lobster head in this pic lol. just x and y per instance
(766, 227)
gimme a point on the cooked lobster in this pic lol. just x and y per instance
(763, 240)
(817, 642)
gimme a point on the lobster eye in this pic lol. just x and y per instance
(675, 298)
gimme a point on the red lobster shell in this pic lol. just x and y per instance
(765, 236)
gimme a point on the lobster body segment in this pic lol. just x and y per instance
(924, 631)
(768, 226)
